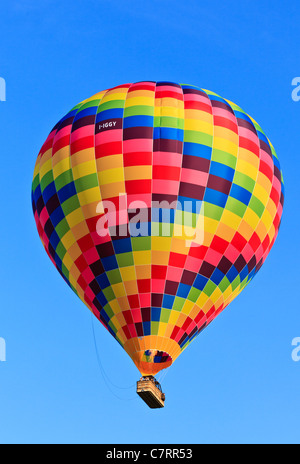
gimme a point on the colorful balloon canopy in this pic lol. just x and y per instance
(157, 203)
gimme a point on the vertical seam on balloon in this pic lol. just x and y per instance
(151, 211)
(159, 147)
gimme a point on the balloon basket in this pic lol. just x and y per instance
(149, 389)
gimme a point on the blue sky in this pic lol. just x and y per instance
(237, 382)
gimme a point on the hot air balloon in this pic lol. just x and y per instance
(157, 203)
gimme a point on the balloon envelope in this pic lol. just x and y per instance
(157, 203)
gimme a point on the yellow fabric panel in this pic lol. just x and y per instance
(142, 257)
(128, 273)
(111, 176)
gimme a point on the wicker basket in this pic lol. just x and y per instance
(149, 390)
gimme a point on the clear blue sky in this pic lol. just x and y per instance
(237, 381)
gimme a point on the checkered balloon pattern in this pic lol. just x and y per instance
(157, 144)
